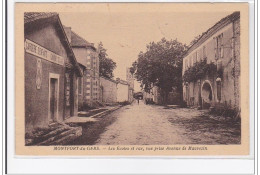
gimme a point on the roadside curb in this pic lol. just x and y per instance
(89, 119)
(101, 114)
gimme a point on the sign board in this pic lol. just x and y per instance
(39, 51)
(39, 74)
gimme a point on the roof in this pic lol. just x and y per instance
(34, 16)
(220, 24)
(77, 41)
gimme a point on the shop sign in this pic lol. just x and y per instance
(39, 51)
(39, 74)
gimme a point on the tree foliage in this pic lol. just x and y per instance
(160, 65)
(199, 70)
(106, 64)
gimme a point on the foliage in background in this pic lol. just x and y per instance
(106, 64)
(160, 65)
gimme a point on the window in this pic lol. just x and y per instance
(204, 52)
(196, 56)
(219, 48)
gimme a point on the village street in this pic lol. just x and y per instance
(158, 125)
(88, 95)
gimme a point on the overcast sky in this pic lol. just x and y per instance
(125, 34)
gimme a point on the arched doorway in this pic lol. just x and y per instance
(206, 94)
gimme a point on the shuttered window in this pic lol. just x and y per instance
(219, 47)
(204, 52)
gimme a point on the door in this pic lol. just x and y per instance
(187, 95)
(53, 99)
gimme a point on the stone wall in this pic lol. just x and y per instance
(108, 90)
(122, 92)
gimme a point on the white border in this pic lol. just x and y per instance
(129, 165)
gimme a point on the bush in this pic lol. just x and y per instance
(183, 104)
(124, 103)
(86, 107)
(149, 101)
(225, 111)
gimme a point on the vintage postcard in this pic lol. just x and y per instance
(139, 79)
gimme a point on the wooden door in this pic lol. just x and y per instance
(53, 99)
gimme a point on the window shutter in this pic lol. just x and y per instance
(204, 52)
(222, 51)
(215, 47)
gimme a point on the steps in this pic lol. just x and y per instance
(55, 134)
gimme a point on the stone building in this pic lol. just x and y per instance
(87, 56)
(108, 90)
(156, 95)
(51, 71)
(130, 81)
(211, 66)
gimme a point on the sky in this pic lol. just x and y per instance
(125, 33)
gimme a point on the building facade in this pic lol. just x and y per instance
(216, 54)
(87, 56)
(108, 90)
(51, 71)
(130, 81)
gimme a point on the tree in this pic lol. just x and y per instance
(160, 65)
(106, 64)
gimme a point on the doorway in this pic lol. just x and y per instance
(207, 95)
(53, 98)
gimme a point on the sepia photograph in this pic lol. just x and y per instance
(116, 74)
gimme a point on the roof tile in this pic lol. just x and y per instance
(33, 16)
(76, 40)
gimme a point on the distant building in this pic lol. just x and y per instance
(156, 95)
(51, 71)
(130, 78)
(87, 56)
(153, 96)
(122, 90)
(108, 90)
(130, 81)
(219, 46)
